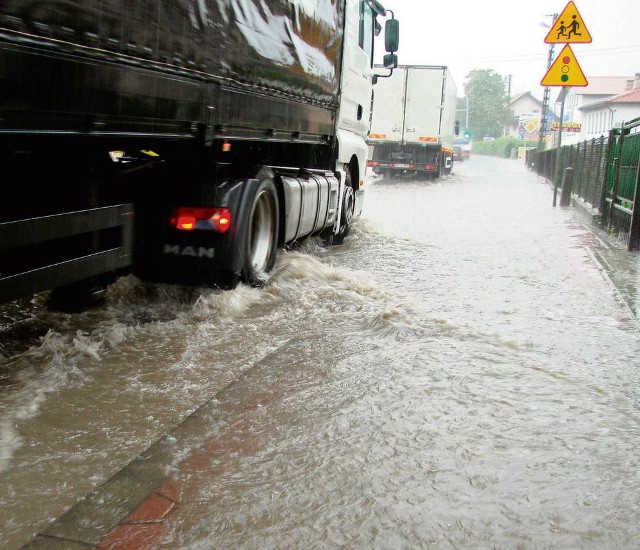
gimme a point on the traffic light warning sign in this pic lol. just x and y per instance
(565, 71)
(569, 28)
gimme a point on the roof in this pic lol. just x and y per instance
(631, 97)
(516, 97)
(605, 85)
(522, 95)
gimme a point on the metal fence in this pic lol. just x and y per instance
(605, 176)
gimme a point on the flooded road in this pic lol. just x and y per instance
(461, 373)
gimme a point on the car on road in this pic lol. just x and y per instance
(461, 149)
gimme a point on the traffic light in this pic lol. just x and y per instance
(467, 134)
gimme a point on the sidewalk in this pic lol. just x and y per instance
(619, 267)
(129, 511)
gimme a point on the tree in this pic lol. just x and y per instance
(488, 103)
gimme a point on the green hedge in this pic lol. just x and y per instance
(499, 147)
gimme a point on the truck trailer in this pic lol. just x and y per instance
(183, 141)
(413, 122)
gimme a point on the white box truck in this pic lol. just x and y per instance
(413, 122)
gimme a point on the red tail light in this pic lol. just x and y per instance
(211, 219)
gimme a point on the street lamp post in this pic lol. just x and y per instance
(466, 116)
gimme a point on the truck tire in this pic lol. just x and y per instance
(261, 236)
(448, 169)
(347, 211)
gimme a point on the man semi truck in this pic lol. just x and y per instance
(181, 140)
(413, 122)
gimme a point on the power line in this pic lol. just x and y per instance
(541, 55)
(608, 51)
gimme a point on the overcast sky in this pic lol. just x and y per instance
(507, 36)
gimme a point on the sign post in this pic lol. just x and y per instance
(558, 165)
(565, 71)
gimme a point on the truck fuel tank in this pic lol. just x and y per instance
(311, 202)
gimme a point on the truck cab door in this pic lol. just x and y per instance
(355, 101)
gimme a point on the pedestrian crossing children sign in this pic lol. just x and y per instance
(565, 71)
(568, 28)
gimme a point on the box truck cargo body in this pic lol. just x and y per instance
(413, 122)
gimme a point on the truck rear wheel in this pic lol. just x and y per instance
(261, 238)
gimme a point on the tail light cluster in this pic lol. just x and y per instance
(210, 219)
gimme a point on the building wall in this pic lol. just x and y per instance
(577, 99)
(598, 122)
(574, 101)
(523, 105)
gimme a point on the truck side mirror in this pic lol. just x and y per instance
(391, 35)
(378, 8)
(390, 61)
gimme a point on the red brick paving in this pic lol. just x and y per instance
(145, 526)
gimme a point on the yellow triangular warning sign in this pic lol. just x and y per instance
(568, 28)
(565, 71)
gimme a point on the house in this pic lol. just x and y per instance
(598, 118)
(577, 99)
(525, 111)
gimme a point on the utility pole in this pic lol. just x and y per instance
(509, 87)
(544, 123)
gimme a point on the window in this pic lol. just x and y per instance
(365, 40)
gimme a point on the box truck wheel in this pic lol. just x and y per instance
(261, 236)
